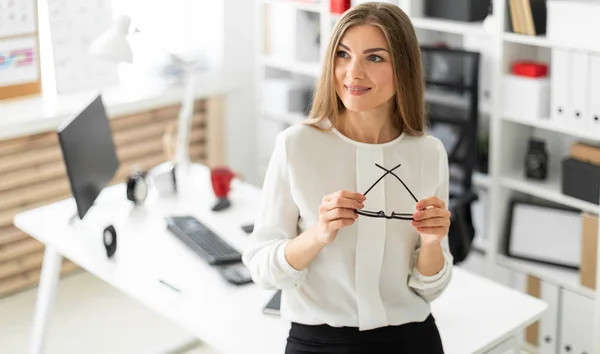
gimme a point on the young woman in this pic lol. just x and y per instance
(353, 219)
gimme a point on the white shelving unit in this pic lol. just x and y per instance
(448, 26)
(508, 135)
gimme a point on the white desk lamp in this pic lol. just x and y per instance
(114, 46)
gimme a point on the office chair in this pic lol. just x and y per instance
(453, 74)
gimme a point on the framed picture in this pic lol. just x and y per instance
(544, 233)
(19, 49)
(19, 61)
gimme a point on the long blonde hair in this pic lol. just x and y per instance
(409, 106)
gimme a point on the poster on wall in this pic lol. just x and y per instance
(17, 17)
(19, 61)
(74, 25)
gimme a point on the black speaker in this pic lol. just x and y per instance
(109, 236)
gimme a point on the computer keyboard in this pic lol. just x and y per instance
(202, 240)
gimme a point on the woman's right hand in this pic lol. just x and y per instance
(336, 212)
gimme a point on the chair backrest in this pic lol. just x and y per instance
(452, 91)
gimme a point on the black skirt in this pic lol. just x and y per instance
(411, 338)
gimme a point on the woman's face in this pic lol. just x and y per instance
(364, 77)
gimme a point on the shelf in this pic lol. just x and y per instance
(549, 190)
(448, 26)
(563, 277)
(538, 41)
(544, 123)
(285, 117)
(312, 6)
(304, 68)
(542, 41)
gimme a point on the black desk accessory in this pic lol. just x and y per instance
(137, 186)
(536, 160)
(221, 204)
(249, 228)
(110, 240)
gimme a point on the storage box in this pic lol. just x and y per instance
(458, 10)
(526, 98)
(581, 180)
(286, 96)
(589, 250)
(573, 22)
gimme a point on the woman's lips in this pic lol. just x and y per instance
(356, 90)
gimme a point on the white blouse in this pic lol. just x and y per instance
(367, 277)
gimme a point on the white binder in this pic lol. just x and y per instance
(579, 91)
(593, 117)
(548, 335)
(560, 82)
(576, 323)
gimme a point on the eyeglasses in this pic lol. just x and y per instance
(381, 213)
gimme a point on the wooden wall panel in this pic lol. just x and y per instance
(32, 174)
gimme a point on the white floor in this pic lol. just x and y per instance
(91, 317)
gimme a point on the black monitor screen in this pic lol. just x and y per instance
(89, 153)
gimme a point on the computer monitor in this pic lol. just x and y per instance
(89, 153)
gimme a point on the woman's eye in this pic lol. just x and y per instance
(374, 58)
(342, 54)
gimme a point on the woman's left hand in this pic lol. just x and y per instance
(431, 220)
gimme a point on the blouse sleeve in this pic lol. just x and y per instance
(431, 287)
(275, 225)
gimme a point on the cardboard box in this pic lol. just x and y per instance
(534, 288)
(585, 152)
(589, 248)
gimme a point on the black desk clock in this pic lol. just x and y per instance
(536, 160)
(137, 187)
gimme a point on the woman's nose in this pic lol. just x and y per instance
(355, 70)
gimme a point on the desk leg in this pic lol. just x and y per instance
(45, 299)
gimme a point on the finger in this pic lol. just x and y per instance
(345, 194)
(341, 223)
(341, 213)
(431, 213)
(434, 222)
(430, 202)
(437, 231)
(342, 202)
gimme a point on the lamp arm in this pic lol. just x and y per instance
(186, 114)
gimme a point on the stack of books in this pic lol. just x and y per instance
(528, 16)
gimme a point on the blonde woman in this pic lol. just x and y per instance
(353, 219)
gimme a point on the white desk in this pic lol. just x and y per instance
(474, 315)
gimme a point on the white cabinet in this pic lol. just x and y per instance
(546, 336)
(576, 324)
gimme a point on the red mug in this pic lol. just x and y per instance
(220, 178)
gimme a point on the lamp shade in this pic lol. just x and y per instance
(113, 45)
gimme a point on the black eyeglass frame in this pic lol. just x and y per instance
(381, 213)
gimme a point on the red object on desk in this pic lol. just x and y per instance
(339, 6)
(530, 68)
(220, 178)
